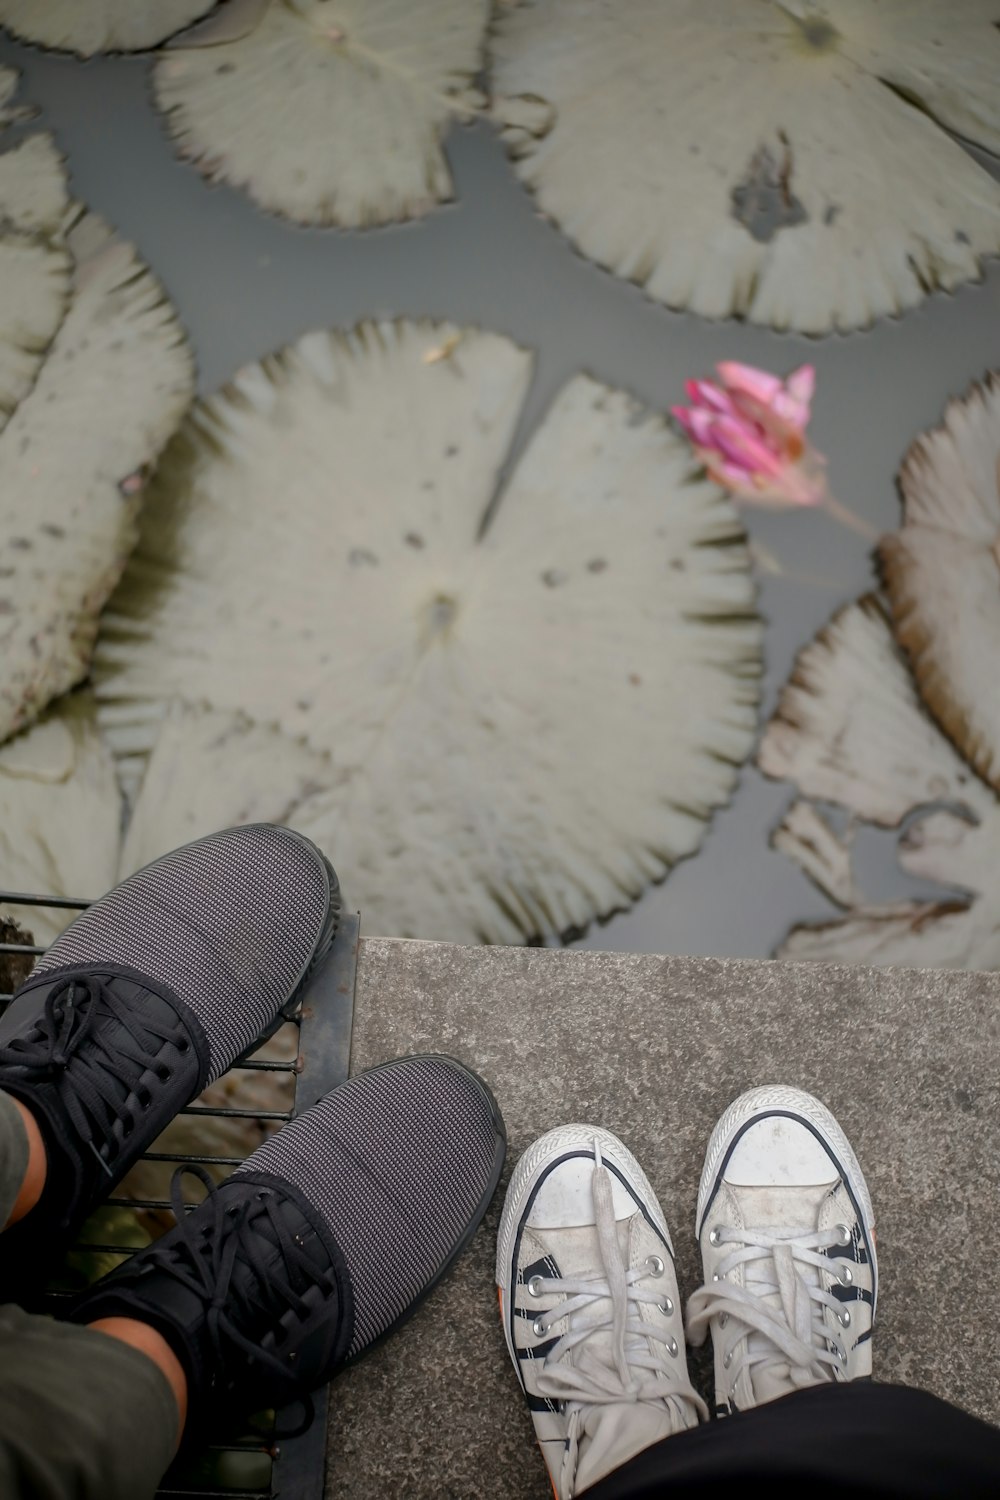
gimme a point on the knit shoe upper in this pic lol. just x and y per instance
(788, 1246)
(324, 1240)
(590, 1307)
(151, 994)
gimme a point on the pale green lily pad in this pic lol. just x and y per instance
(89, 26)
(329, 111)
(760, 159)
(35, 265)
(60, 815)
(500, 714)
(109, 393)
(851, 729)
(208, 770)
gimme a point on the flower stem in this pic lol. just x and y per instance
(849, 518)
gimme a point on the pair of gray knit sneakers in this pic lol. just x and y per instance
(333, 1230)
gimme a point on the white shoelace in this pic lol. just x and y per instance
(634, 1373)
(790, 1339)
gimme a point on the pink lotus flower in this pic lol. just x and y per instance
(749, 432)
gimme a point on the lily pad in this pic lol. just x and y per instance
(508, 755)
(942, 573)
(60, 815)
(781, 161)
(851, 729)
(89, 26)
(211, 770)
(110, 391)
(329, 111)
(35, 265)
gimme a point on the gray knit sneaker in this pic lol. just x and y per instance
(151, 994)
(788, 1245)
(324, 1241)
(590, 1308)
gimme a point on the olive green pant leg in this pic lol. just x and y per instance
(82, 1416)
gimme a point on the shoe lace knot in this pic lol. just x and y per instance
(96, 1069)
(608, 1341)
(249, 1269)
(777, 1304)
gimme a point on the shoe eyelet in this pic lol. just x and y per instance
(728, 1360)
(844, 1318)
(184, 1045)
(654, 1265)
(535, 1286)
(538, 1328)
(127, 1127)
(717, 1277)
(723, 1319)
(844, 1234)
(666, 1307)
(843, 1357)
(672, 1347)
(714, 1236)
(164, 1074)
(845, 1276)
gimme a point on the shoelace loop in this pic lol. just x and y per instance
(203, 1257)
(790, 1336)
(95, 1080)
(635, 1372)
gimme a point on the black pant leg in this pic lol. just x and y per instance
(861, 1439)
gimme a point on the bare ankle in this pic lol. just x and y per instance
(37, 1168)
(141, 1336)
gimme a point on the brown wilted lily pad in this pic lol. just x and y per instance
(850, 728)
(942, 573)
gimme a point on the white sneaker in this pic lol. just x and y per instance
(788, 1246)
(590, 1307)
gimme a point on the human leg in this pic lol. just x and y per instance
(83, 1416)
(319, 1246)
(874, 1441)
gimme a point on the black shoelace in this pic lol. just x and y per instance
(95, 1068)
(203, 1256)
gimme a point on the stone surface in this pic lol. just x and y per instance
(654, 1049)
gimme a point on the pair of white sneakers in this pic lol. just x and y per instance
(588, 1291)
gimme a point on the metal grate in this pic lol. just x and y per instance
(249, 1465)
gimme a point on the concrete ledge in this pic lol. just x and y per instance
(654, 1049)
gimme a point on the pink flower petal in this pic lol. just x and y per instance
(743, 444)
(801, 383)
(707, 393)
(760, 384)
(702, 425)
